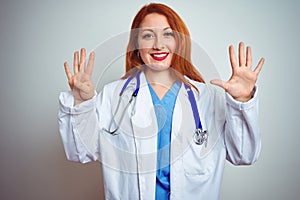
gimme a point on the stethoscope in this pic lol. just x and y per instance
(200, 136)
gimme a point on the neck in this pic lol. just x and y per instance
(160, 78)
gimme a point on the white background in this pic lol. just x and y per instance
(36, 37)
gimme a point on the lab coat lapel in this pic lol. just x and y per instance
(183, 125)
(144, 126)
(144, 130)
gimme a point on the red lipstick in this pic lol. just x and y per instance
(159, 56)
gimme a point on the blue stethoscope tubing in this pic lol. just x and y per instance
(133, 95)
(200, 135)
(137, 87)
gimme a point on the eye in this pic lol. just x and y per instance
(147, 36)
(169, 34)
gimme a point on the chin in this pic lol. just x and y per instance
(159, 66)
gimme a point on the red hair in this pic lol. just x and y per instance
(181, 61)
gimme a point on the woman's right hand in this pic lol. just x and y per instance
(81, 82)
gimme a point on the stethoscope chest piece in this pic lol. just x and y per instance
(200, 136)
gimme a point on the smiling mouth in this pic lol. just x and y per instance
(159, 56)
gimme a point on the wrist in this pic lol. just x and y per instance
(246, 98)
(76, 102)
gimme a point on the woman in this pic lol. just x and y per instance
(142, 127)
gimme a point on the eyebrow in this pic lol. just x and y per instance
(149, 29)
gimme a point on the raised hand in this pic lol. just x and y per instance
(81, 82)
(242, 81)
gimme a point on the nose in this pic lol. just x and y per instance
(159, 43)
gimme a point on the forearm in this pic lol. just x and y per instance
(78, 128)
(242, 136)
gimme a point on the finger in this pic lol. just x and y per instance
(82, 59)
(248, 57)
(67, 70)
(259, 66)
(219, 83)
(90, 65)
(241, 54)
(232, 57)
(75, 62)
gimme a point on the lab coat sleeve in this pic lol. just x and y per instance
(242, 135)
(78, 126)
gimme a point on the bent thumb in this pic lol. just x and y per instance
(219, 83)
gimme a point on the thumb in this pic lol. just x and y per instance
(219, 83)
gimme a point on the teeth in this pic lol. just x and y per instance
(159, 55)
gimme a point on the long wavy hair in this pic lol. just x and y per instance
(181, 61)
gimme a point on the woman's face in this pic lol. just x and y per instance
(156, 42)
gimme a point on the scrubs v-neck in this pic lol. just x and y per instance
(164, 112)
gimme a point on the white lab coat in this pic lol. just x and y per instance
(129, 158)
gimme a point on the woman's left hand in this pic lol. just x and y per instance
(242, 81)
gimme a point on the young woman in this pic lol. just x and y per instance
(160, 131)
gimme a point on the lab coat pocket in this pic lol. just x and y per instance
(195, 165)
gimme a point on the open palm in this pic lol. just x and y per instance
(81, 82)
(242, 81)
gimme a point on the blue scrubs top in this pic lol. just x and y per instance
(164, 114)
